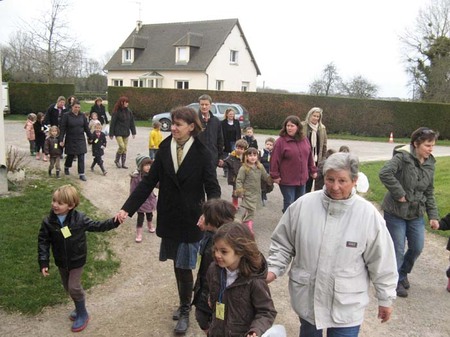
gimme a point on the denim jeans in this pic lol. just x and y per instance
(402, 230)
(309, 330)
(290, 194)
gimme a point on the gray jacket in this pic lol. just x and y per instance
(405, 176)
(333, 249)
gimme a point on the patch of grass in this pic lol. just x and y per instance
(441, 183)
(22, 286)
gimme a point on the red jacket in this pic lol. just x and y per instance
(292, 161)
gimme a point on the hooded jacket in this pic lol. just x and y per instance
(248, 303)
(71, 252)
(405, 176)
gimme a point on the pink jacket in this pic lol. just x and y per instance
(30, 130)
(292, 161)
(150, 204)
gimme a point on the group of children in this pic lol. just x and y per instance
(44, 142)
(231, 295)
(248, 174)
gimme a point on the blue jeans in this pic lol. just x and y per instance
(402, 230)
(290, 194)
(309, 330)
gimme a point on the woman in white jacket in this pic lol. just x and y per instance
(337, 243)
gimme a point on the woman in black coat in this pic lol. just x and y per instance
(231, 130)
(184, 170)
(99, 108)
(122, 122)
(73, 128)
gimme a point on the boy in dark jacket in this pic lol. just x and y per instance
(233, 163)
(53, 150)
(98, 143)
(444, 225)
(64, 230)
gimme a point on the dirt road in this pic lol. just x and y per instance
(139, 299)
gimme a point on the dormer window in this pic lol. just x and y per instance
(234, 56)
(127, 55)
(182, 55)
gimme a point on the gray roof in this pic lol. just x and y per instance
(155, 45)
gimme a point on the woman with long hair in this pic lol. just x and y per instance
(122, 123)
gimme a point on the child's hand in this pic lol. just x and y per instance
(434, 224)
(121, 216)
(252, 334)
(45, 272)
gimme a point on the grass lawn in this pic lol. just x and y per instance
(22, 286)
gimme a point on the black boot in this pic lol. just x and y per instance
(103, 169)
(92, 166)
(117, 160)
(49, 173)
(57, 173)
(124, 159)
(185, 299)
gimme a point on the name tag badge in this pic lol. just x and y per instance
(352, 244)
(66, 232)
(56, 145)
(96, 141)
(220, 311)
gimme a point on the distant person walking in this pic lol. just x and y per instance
(55, 112)
(292, 162)
(211, 135)
(99, 108)
(74, 126)
(316, 133)
(122, 124)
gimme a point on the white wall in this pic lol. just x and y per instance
(232, 74)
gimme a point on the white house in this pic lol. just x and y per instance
(203, 55)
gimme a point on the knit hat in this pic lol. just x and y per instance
(140, 159)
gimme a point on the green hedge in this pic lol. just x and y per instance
(267, 111)
(25, 98)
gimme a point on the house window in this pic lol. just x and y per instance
(182, 84)
(137, 83)
(219, 85)
(127, 56)
(117, 83)
(182, 54)
(234, 56)
(245, 86)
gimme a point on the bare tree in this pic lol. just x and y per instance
(328, 83)
(359, 87)
(427, 51)
(43, 50)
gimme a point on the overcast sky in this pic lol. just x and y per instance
(292, 41)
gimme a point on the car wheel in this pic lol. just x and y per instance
(165, 124)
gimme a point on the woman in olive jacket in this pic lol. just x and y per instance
(185, 172)
(409, 178)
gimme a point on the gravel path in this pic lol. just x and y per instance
(139, 299)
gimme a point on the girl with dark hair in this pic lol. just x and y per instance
(122, 122)
(239, 295)
(292, 163)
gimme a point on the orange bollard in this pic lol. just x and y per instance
(391, 137)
